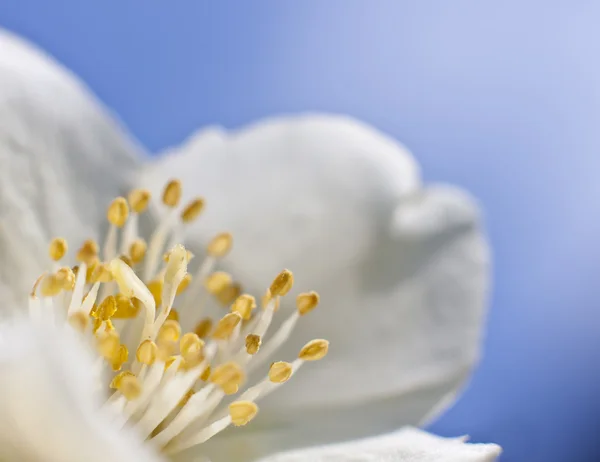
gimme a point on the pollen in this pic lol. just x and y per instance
(185, 379)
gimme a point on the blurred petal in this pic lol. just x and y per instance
(62, 159)
(48, 410)
(406, 445)
(402, 271)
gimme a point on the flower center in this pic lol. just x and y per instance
(172, 373)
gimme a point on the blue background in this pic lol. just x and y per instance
(502, 97)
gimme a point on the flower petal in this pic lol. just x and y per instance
(48, 408)
(406, 445)
(402, 271)
(62, 159)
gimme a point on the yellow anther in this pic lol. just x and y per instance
(165, 352)
(170, 360)
(220, 245)
(280, 372)
(282, 284)
(173, 314)
(170, 331)
(226, 325)
(172, 193)
(183, 401)
(97, 323)
(217, 282)
(125, 259)
(101, 273)
(146, 352)
(66, 278)
(190, 345)
(120, 357)
(203, 328)
(106, 309)
(185, 282)
(230, 388)
(50, 286)
(137, 250)
(242, 412)
(228, 295)
(314, 350)
(244, 305)
(79, 321)
(91, 267)
(58, 248)
(229, 372)
(88, 252)
(131, 387)
(205, 374)
(126, 307)
(156, 288)
(307, 302)
(253, 342)
(116, 382)
(192, 210)
(138, 200)
(108, 343)
(118, 211)
(267, 298)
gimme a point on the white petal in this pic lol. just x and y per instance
(406, 445)
(62, 159)
(402, 271)
(48, 408)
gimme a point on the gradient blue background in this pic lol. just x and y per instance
(502, 97)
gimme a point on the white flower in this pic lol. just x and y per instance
(402, 269)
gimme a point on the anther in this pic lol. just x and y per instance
(253, 342)
(244, 305)
(280, 372)
(58, 248)
(138, 200)
(282, 284)
(217, 282)
(220, 245)
(314, 350)
(192, 210)
(242, 412)
(137, 250)
(172, 193)
(146, 352)
(307, 302)
(226, 325)
(118, 211)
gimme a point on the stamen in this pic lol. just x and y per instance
(175, 389)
